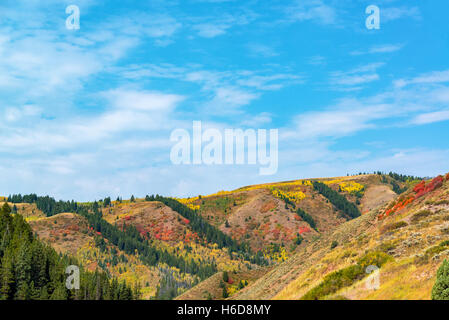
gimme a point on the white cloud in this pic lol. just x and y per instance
(16, 114)
(313, 10)
(214, 27)
(142, 100)
(386, 48)
(394, 13)
(209, 30)
(352, 79)
(431, 117)
(259, 120)
(348, 117)
(428, 78)
(260, 50)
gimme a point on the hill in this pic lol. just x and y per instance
(262, 236)
(407, 238)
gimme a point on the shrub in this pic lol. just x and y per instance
(336, 280)
(374, 258)
(225, 276)
(420, 215)
(394, 226)
(334, 244)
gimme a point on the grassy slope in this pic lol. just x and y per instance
(255, 215)
(414, 247)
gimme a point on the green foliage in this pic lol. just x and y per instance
(345, 277)
(440, 290)
(225, 293)
(334, 244)
(169, 287)
(31, 270)
(299, 239)
(306, 217)
(47, 204)
(225, 276)
(349, 209)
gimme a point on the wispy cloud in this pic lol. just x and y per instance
(260, 50)
(312, 10)
(386, 48)
(213, 27)
(395, 13)
(354, 79)
(434, 77)
(431, 117)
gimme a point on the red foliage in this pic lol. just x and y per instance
(186, 221)
(230, 281)
(422, 189)
(303, 230)
(447, 177)
(98, 233)
(419, 187)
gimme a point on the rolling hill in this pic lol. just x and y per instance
(269, 241)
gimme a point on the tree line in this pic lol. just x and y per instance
(348, 208)
(46, 204)
(306, 217)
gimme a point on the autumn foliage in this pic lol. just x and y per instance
(420, 190)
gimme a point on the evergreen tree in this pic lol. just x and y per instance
(440, 290)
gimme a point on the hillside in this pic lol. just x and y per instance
(265, 214)
(409, 235)
(263, 236)
(69, 233)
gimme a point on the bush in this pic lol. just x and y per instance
(440, 290)
(345, 277)
(334, 244)
(374, 258)
(335, 281)
(420, 215)
(225, 276)
(394, 226)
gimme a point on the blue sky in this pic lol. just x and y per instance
(88, 113)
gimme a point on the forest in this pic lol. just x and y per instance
(349, 209)
(32, 270)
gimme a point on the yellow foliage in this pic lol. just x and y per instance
(351, 187)
(275, 256)
(293, 196)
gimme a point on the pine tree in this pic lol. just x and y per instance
(7, 276)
